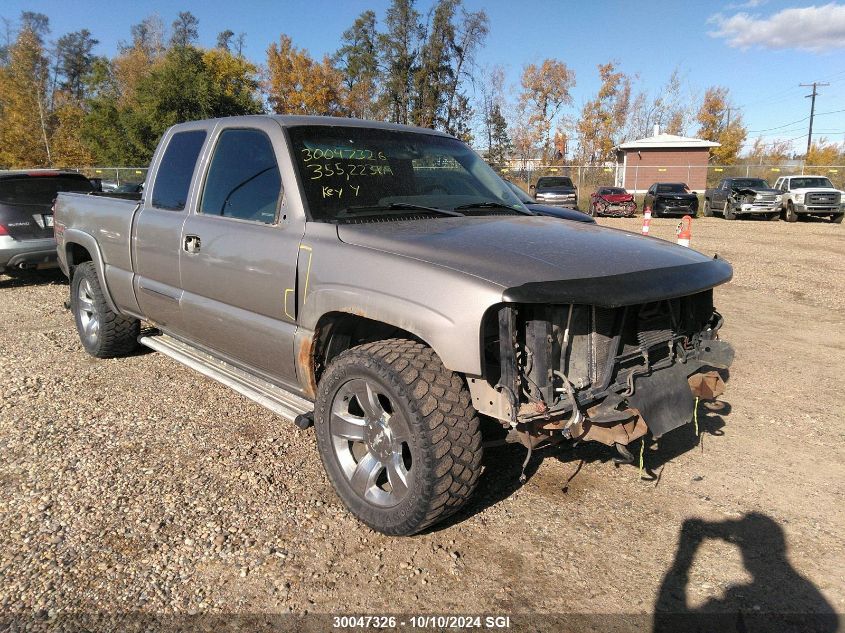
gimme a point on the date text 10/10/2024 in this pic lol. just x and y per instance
(423, 621)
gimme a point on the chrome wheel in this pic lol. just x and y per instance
(370, 439)
(89, 319)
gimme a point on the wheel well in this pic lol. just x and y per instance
(76, 254)
(337, 332)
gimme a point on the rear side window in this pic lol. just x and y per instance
(40, 189)
(173, 178)
(243, 180)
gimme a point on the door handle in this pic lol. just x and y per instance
(192, 243)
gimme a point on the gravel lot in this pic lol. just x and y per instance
(136, 485)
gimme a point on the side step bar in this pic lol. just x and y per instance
(280, 401)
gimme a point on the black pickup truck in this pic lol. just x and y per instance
(742, 196)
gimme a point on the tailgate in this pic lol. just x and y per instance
(27, 221)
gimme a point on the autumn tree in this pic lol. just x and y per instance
(297, 84)
(717, 124)
(822, 152)
(24, 117)
(761, 153)
(602, 118)
(545, 90)
(668, 108)
(68, 146)
(136, 59)
(357, 60)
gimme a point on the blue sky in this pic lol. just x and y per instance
(765, 49)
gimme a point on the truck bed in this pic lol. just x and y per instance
(106, 217)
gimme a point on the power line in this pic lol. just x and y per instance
(812, 96)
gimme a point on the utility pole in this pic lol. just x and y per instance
(812, 97)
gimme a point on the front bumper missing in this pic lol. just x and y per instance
(662, 401)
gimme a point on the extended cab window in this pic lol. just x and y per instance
(243, 180)
(173, 178)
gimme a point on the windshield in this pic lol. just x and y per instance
(806, 183)
(672, 187)
(612, 191)
(40, 189)
(344, 169)
(554, 182)
(750, 183)
(519, 193)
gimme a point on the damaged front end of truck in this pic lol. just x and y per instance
(588, 361)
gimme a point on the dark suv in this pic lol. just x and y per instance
(26, 216)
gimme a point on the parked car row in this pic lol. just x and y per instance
(790, 197)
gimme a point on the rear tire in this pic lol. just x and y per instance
(773, 217)
(789, 214)
(102, 332)
(398, 436)
(708, 210)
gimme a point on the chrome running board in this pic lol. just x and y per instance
(280, 401)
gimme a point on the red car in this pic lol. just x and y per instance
(614, 201)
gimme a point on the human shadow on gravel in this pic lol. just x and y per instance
(777, 598)
(503, 463)
(33, 278)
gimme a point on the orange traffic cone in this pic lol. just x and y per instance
(646, 219)
(685, 231)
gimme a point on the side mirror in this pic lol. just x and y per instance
(532, 188)
(695, 193)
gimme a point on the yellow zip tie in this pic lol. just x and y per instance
(642, 448)
(695, 416)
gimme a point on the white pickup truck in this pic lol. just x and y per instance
(811, 195)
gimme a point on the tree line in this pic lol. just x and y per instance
(63, 105)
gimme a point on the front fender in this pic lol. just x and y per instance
(443, 307)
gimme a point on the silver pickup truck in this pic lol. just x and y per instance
(383, 283)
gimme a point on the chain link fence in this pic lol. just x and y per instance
(114, 176)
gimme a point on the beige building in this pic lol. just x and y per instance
(663, 158)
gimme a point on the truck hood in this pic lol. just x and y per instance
(814, 189)
(755, 190)
(544, 260)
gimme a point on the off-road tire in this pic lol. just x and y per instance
(445, 442)
(789, 214)
(728, 211)
(117, 335)
(837, 218)
(708, 210)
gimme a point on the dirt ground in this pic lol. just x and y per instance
(136, 485)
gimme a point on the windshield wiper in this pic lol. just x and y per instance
(492, 205)
(394, 206)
